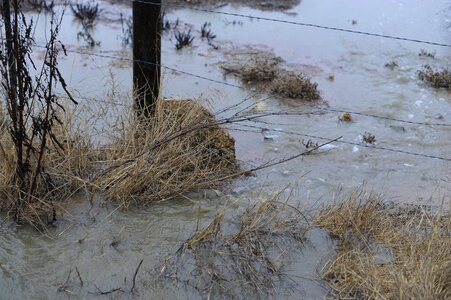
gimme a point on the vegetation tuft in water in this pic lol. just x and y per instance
(295, 86)
(86, 12)
(183, 39)
(437, 79)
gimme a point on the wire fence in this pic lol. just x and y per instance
(173, 5)
(251, 90)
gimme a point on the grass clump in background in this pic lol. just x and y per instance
(437, 79)
(267, 73)
(387, 252)
(260, 68)
(295, 86)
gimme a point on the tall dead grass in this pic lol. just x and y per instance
(387, 252)
(179, 149)
(66, 166)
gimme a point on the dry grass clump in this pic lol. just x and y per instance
(181, 148)
(438, 79)
(387, 252)
(243, 256)
(295, 86)
(260, 68)
(66, 165)
(266, 71)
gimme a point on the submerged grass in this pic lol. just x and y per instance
(244, 255)
(387, 252)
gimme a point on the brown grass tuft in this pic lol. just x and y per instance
(178, 150)
(295, 86)
(268, 73)
(260, 68)
(387, 252)
(438, 79)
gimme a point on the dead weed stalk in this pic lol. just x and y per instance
(387, 252)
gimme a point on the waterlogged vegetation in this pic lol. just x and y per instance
(215, 196)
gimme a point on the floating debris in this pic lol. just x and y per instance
(243, 254)
(393, 64)
(426, 54)
(369, 138)
(346, 117)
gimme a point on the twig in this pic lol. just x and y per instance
(79, 276)
(134, 276)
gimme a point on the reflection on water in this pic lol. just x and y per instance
(35, 266)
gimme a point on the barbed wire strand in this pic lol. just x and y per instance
(336, 110)
(347, 142)
(237, 128)
(294, 23)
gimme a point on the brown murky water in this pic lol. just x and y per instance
(35, 266)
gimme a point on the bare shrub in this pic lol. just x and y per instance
(387, 252)
(438, 79)
(65, 169)
(32, 139)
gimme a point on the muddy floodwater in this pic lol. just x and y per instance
(352, 75)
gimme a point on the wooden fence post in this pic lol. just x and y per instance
(147, 55)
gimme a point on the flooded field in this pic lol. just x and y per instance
(355, 73)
